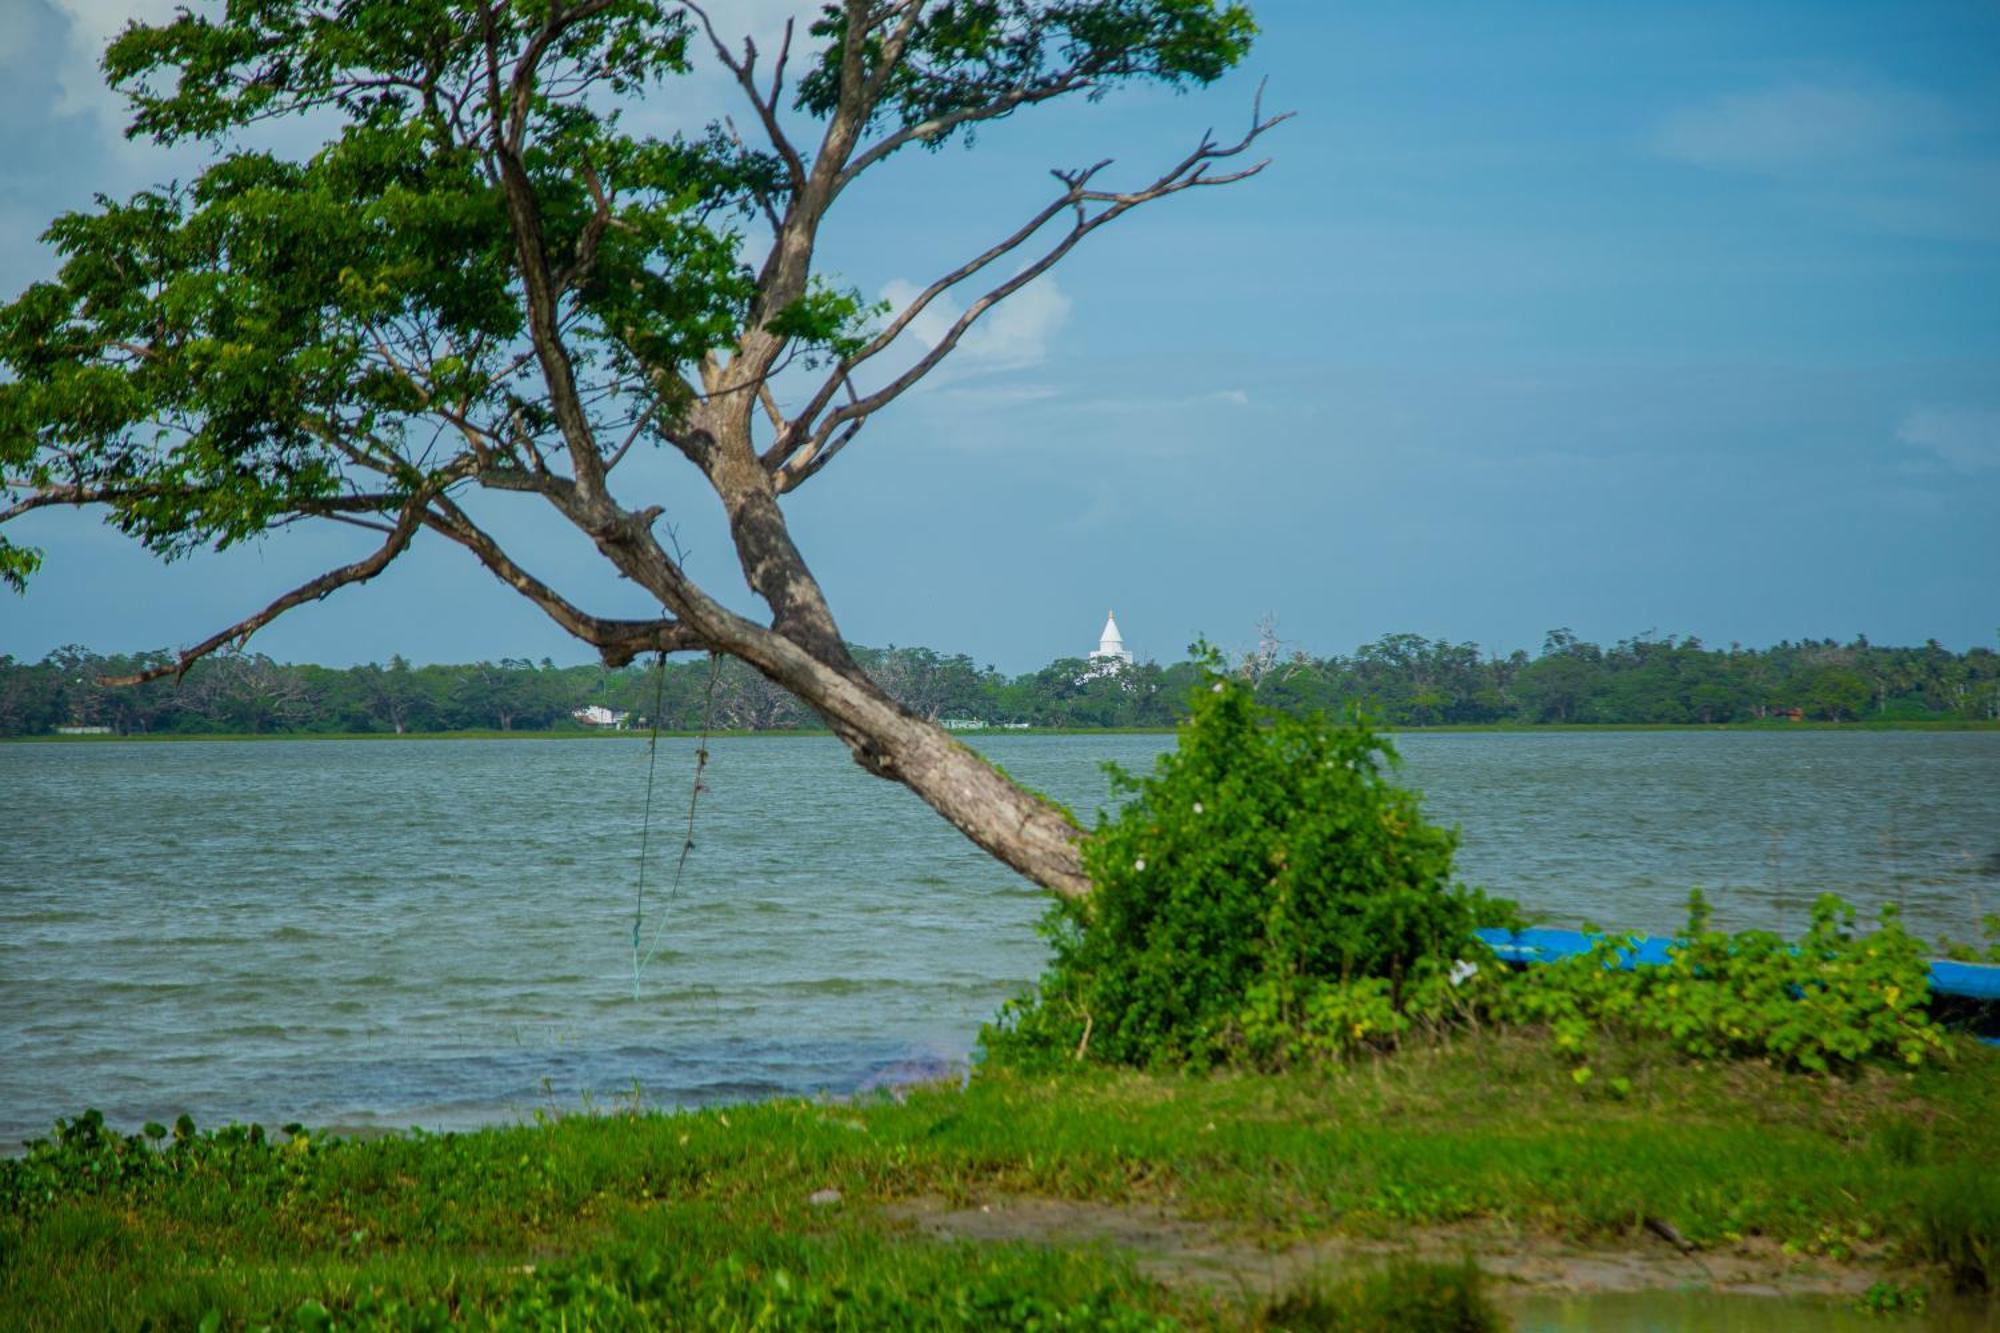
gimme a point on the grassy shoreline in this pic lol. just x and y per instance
(841, 1213)
(1495, 728)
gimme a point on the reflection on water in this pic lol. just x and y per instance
(1705, 1312)
(388, 933)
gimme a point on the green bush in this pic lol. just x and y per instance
(1833, 1000)
(1264, 887)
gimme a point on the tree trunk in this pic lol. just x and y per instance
(803, 651)
(1028, 832)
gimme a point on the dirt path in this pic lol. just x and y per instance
(1181, 1251)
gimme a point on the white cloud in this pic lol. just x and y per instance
(1966, 439)
(92, 25)
(1012, 335)
(1795, 125)
(681, 104)
(710, 91)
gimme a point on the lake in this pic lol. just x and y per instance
(439, 933)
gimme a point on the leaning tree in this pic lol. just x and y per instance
(482, 280)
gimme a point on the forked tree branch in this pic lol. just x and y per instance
(789, 440)
(310, 591)
(745, 72)
(798, 455)
(618, 641)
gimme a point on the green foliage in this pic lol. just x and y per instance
(1832, 1001)
(827, 319)
(1266, 876)
(958, 53)
(1409, 680)
(643, 1293)
(282, 338)
(17, 563)
(669, 1288)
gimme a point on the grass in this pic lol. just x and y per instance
(706, 1219)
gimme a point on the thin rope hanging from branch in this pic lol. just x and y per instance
(642, 959)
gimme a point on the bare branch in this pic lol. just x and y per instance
(310, 591)
(778, 66)
(938, 126)
(785, 444)
(348, 519)
(745, 73)
(619, 641)
(525, 218)
(797, 455)
(770, 402)
(764, 203)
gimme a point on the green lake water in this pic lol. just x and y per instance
(439, 933)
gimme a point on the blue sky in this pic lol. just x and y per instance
(1669, 317)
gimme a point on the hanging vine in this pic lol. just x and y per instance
(642, 958)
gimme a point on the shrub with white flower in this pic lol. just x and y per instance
(1315, 870)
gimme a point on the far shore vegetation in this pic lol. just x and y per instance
(1401, 681)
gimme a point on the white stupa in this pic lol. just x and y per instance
(1111, 653)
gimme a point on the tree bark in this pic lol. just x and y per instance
(1026, 831)
(803, 651)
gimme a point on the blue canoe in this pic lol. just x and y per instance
(1975, 984)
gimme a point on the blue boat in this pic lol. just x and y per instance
(1963, 993)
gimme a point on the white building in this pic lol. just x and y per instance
(1111, 655)
(597, 715)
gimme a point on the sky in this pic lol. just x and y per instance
(1680, 318)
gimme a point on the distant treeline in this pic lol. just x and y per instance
(1401, 680)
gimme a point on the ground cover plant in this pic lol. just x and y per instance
(708, 1219)
(1834, 999)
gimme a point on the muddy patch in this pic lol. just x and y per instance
(1183, 1252)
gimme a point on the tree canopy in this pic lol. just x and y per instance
(483, 280)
